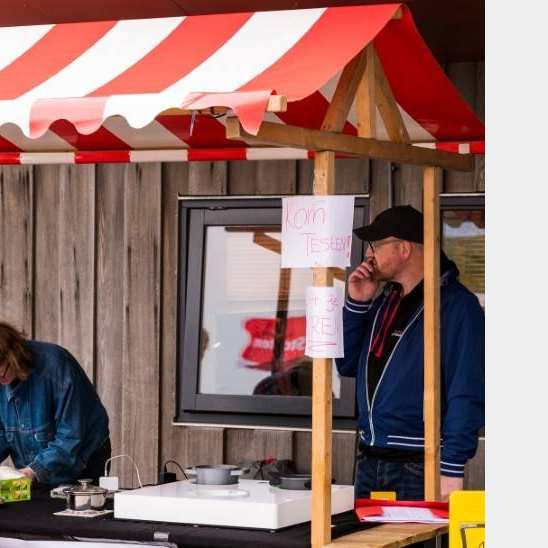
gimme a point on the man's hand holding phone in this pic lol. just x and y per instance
(362, 285)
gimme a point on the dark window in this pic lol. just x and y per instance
(242, 319)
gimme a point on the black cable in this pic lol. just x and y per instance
(176, 464)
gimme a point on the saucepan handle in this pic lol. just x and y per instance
(239, 471)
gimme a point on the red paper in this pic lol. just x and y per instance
(440, 513)
(359, 503)
(401, 511)
(368, 511)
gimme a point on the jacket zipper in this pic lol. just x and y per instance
(367, 373)
(384, 371)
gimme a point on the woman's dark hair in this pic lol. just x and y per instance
(14, 354)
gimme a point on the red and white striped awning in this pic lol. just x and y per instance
(98, 92)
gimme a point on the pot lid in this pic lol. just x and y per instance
(216, 467)
(85, 488)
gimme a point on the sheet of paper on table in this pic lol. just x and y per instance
(401, 514)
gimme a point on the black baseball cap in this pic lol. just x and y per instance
(404, 222)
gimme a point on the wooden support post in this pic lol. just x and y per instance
(365, 98)
(345, 93)
(388, 107)
(431, 204)
(324, 183)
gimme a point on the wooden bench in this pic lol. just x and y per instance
(390, 535)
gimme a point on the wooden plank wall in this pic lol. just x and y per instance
(88, 259)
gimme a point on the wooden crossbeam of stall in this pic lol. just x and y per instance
(363, 81)
(271, 133)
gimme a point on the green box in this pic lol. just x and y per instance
(15, 490)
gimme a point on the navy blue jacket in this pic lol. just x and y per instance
(53, 421)
(394, 417)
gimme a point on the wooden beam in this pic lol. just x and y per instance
(366, 103)
(388, 108)
(345, 92)
(324, 183)
(431, 204)
(276, 103)
(317, 140)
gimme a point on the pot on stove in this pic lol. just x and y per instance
(86, 496)
(215, 474)
(297, 482)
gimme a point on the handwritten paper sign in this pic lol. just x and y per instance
(324, 333)
(317, 231)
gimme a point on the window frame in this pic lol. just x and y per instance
(195, 215)
(462, 201)
(447, 202)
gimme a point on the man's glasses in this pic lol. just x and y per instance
(375, 245)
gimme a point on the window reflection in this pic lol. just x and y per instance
(464, 243)
(253, 316)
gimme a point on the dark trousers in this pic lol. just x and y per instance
(96, 463)
(374, 474)
(405, 478)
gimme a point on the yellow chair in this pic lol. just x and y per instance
(467, 519)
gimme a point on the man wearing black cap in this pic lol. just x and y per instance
(383, 349)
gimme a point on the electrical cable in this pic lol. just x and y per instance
(176, 464)
(131, 459)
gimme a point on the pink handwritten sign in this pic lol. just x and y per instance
(317, 231)
(324, 334)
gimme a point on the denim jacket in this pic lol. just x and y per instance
(53, 421)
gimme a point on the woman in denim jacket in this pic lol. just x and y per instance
(52, 422)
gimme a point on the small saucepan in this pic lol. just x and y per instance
(86, 496)
(295, 482)
(215, 474)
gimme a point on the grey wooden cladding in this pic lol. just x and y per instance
(110, 238)
(251, 178)
(64, 258)
(245, 444)
(16, 239)
(474, 472)
(141, 356)
(206, 179)
(351, 176)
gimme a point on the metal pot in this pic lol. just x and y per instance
(297, 482)
(215, 474)
(86, 496)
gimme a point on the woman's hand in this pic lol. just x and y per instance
(28, 472)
